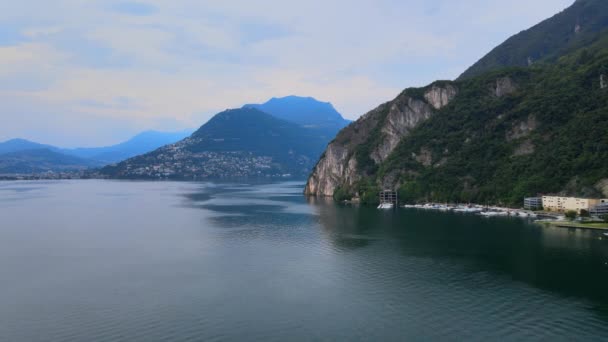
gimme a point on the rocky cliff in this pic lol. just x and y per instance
(378, 133)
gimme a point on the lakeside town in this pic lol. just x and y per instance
(561, 211)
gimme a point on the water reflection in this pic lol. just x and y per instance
(572, 262)
(569, 262)
(204, 261)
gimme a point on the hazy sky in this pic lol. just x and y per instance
(85, 73)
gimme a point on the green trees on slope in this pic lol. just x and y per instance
(480, 154)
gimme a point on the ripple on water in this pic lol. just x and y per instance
(201, 261)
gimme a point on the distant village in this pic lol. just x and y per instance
(198, 165)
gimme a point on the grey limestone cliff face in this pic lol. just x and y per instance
(405, 114)
(338, 166)
(439, 97)
(504, 86)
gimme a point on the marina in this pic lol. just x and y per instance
(485, 211)
(546, 218)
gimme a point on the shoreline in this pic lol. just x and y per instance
(569, 225)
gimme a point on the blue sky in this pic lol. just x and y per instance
(87, 73)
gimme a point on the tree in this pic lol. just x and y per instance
(571, 214)
(584, 213)
(605, 218)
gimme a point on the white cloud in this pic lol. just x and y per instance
(89, 64)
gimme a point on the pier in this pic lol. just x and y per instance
(389, 196)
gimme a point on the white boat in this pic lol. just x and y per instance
(386, 206)
(494, 213)
(468, 210)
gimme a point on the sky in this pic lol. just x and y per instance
(95, 72)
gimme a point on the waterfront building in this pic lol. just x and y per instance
(562, 204)
(533, 203)
(601, 209)
(389, 196)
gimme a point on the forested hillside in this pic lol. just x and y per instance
(580, 25)
(501, 136)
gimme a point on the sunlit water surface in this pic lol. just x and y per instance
(163, 261)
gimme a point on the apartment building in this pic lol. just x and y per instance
(533, 203)
(562, 204)
(601, 209)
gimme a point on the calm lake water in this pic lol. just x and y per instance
(145, 261)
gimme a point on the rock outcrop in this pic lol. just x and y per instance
(335, 167)
(522, 129)
(504, 86)
(439, 97)
(405, 113)
(602, 186)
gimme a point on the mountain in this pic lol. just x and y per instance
(41, 160)
(304, 111)
(495, 137)
(87, 157)
(139, 144)
(16, 145)
(235, 143)
(580, 25)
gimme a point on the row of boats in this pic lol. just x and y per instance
(467, 209)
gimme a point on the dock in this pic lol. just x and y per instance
(388, 199)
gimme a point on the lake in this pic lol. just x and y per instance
(174, 261)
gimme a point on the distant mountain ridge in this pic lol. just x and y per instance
(581, 24)
(284, 136)
(303, 110)
(17, 156)
(243, 142)
(41, 160)
(141, 143)
(16, 145)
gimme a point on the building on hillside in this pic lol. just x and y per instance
(533, 203)
(562, 204)
(600, 209)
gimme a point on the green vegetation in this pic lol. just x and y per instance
(342, 194)
(571, 214)
(547, 136)
(580, 25)
(234, 143)
(368, 192)
(42, 160)
(365, 190)
(584, 225)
